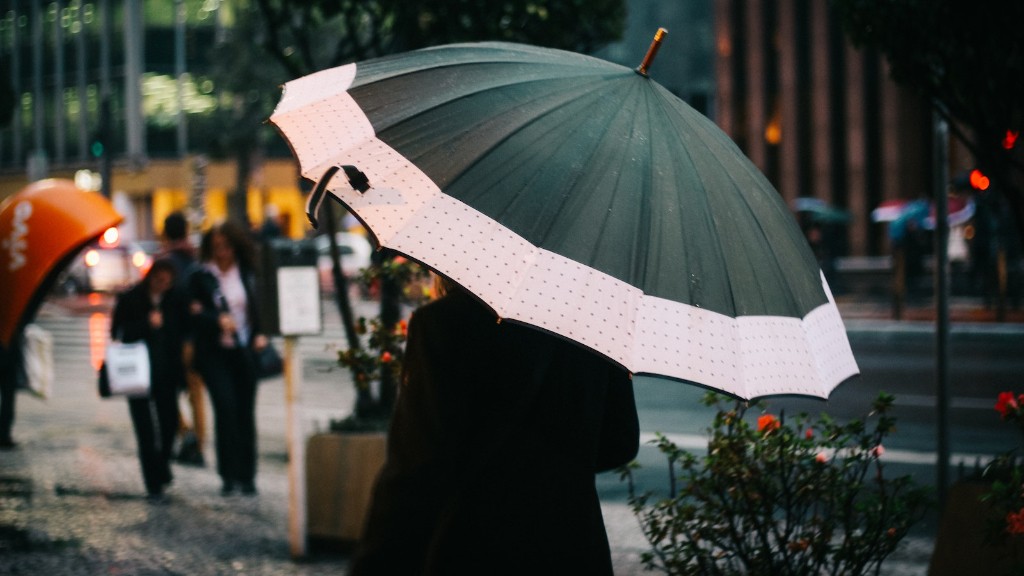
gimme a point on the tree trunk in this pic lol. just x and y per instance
(238, 202)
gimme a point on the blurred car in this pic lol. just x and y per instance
(355, 251)
(107, 265)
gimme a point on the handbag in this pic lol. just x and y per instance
(125, 370)
(268, 362)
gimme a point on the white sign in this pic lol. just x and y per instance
(17, 243)
(298, 300)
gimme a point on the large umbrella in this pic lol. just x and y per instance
(41, 228)
(580, 197)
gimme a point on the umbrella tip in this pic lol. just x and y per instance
(652, 51)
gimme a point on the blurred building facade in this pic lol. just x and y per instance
(127, 81)
(820, 118)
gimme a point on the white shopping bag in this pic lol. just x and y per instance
(37, 351)
(127, 367)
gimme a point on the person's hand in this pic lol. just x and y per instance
(156, 319)
(259, 342)
(226, 322)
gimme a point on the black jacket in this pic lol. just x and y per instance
(497, 433)
(204, 288)
(130, 323)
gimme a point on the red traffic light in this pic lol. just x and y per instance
(1010, 139)
(978, 180)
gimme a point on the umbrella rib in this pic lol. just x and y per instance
(619, 173)
(543, 119)
(715, 154)
(707, 201)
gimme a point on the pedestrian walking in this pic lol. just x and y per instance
(154, 311)
(191, 432)
(227, 336)
(497, 433)
(12, 374)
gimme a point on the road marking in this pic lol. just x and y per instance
(699, 442)
(960, 402)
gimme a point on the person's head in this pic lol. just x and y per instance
(160, 276)
(175, 227)
(442, 285)
(227, 244)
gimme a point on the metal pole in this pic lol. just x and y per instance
(179, 74)
(83, 100)
(38, 107)
(135, 127)
(59, 108)
(16, 125)
(941, 157)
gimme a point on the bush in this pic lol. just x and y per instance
(380, 358)
(1006, 474)
(778, 497)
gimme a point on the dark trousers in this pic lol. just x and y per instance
(155, 419)
(231, 383)
(8, 389)
(11, 374)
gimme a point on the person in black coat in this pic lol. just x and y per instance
(497, 433)
(154, 311)
(226, 335)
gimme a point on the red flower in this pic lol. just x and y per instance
(877, 451)
(767, 423)
(1015, 522)
(403, 327)
(809, 434)
(385, 357)
(1006, 404)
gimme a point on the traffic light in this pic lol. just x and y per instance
(96, 147)
(1010, 140)
(978, 180)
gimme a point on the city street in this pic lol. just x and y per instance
(74, 489)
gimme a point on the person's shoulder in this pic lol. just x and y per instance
(456, 306)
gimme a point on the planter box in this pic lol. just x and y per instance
(960, 547)
(340, 471)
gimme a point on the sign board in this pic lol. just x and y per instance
(298, 300)
(290, 289)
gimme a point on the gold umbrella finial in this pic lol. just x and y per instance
(652, 51)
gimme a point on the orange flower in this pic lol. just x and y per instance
(767, 423)
(1015, 522)
(403, 327)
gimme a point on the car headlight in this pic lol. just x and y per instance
(139, 259)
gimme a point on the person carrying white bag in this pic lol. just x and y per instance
(153, 313)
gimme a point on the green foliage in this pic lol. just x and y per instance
(777, 496)
(309, 36)
(1006, 474)
(381, 357)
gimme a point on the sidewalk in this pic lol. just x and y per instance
(71, 496)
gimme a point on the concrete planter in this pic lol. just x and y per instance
(340, 471)
(960, 546)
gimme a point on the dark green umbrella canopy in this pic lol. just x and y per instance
(580, 197)
(593, 161)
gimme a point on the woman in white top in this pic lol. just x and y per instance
(226, 331)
